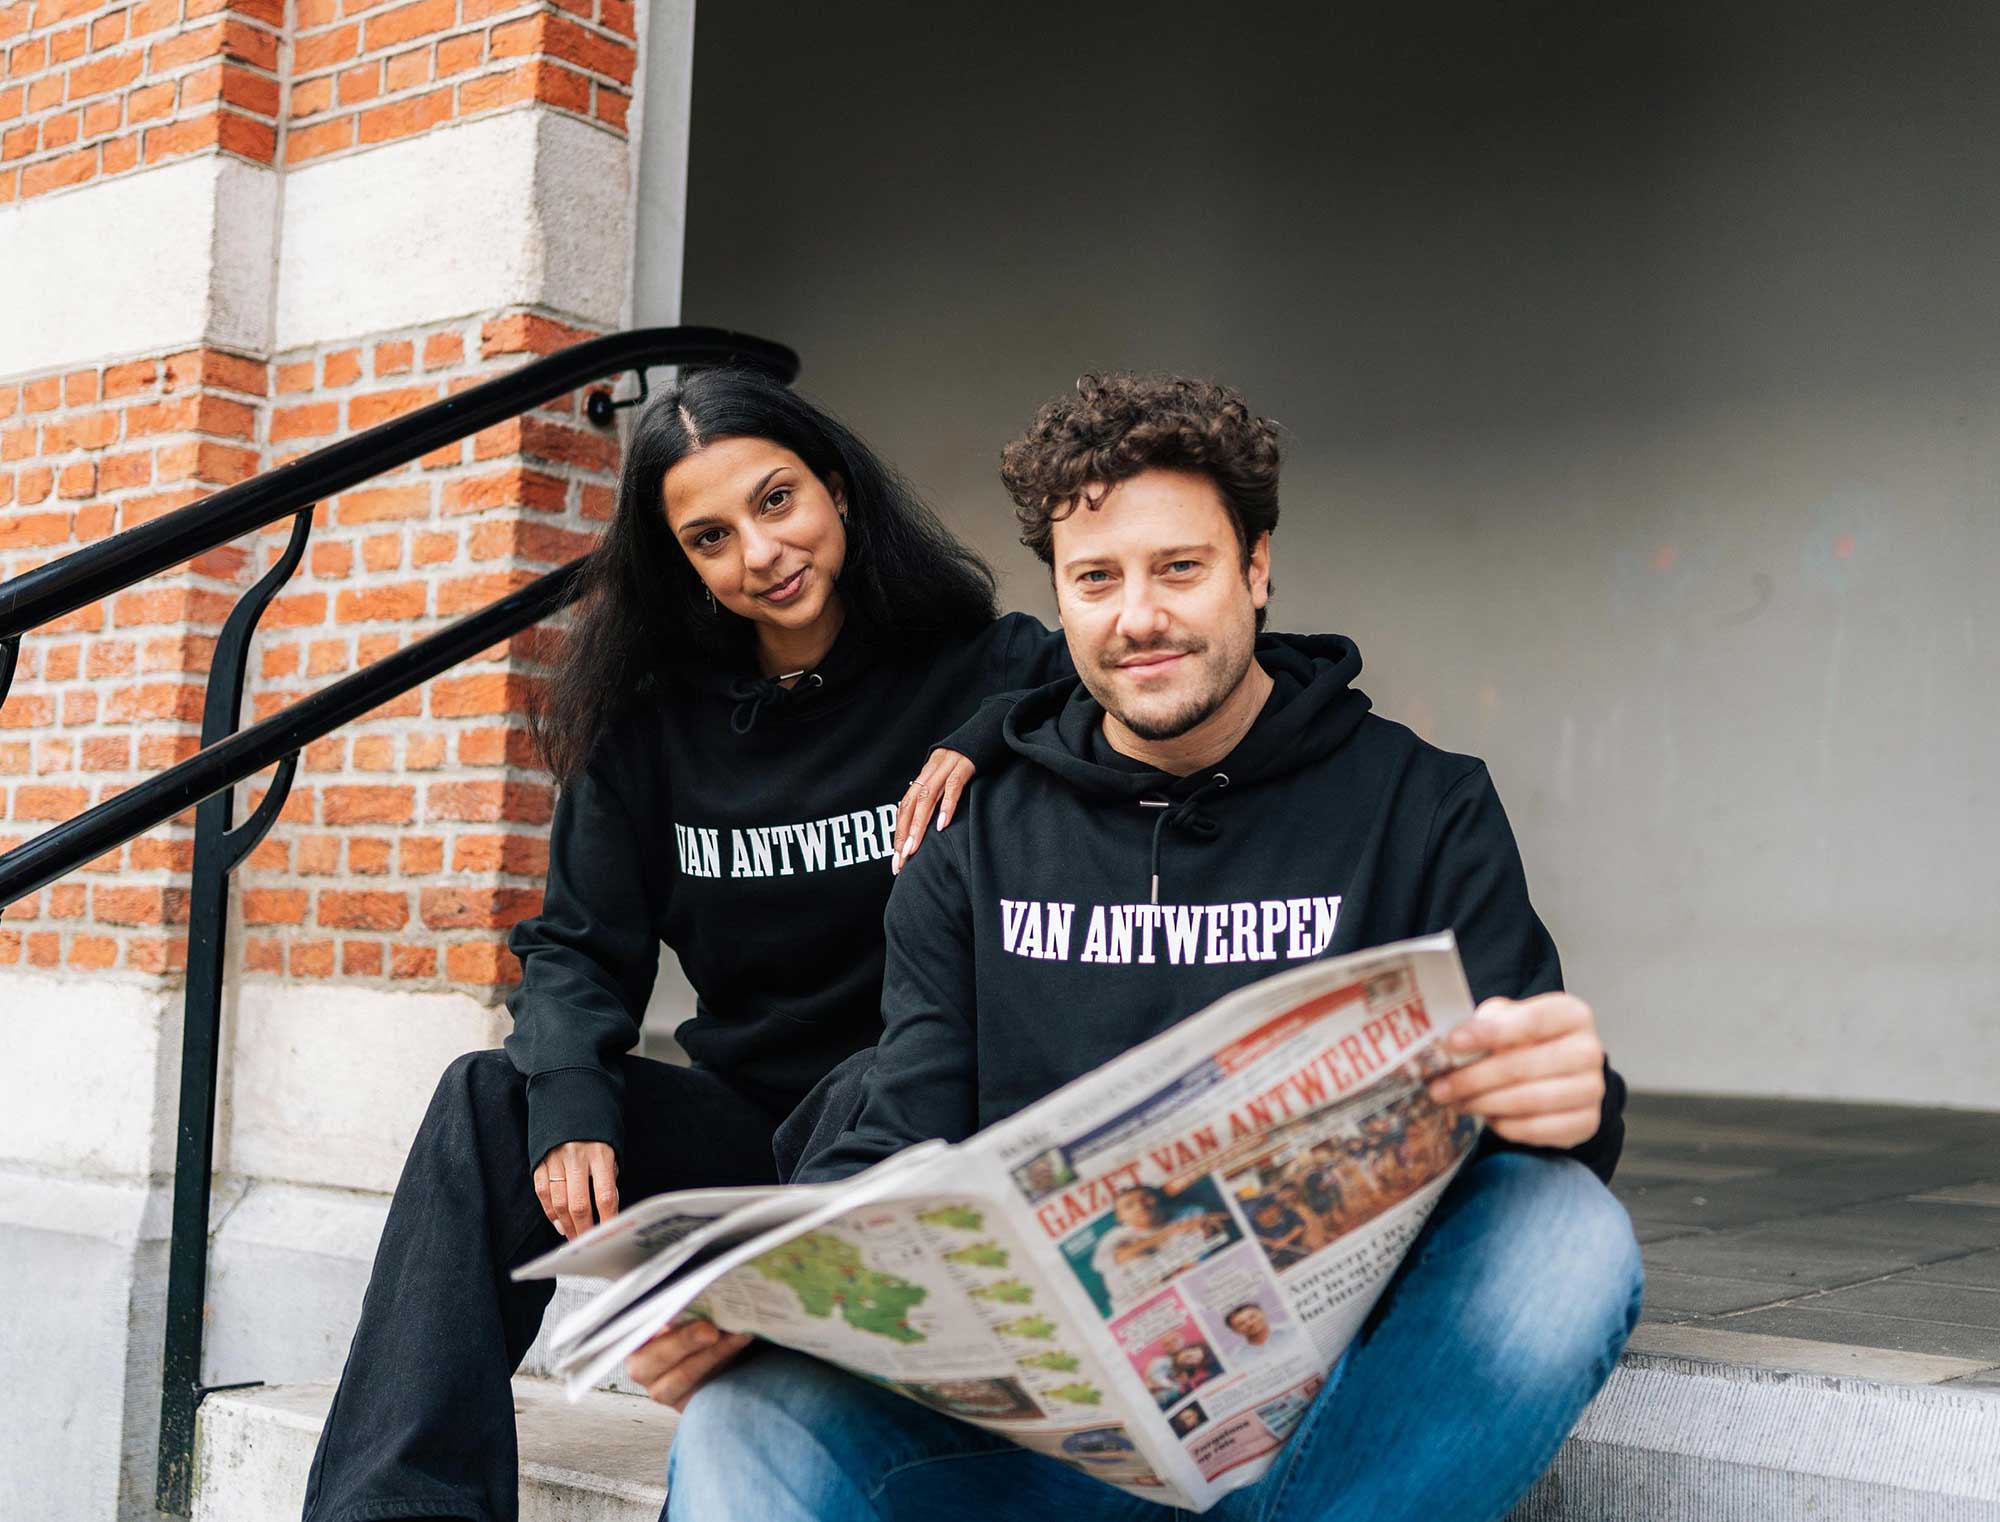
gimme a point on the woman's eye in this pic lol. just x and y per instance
(778, 498)
(708, 539)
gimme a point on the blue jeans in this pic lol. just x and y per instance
(1504, 1320)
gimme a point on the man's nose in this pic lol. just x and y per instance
(1140, 617)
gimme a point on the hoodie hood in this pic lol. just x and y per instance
(1312, 711)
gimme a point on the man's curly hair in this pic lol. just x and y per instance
(1117, 425)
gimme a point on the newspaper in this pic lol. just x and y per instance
(1146, 1275)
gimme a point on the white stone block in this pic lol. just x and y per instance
(326, 1084)
(521, 209)
(145, 263)
(91, 1084)
(601, 1460)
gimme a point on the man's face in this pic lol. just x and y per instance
(1249, 1324)
(1136, 1208)
(1159, 611)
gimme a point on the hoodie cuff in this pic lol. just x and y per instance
(573, 1104)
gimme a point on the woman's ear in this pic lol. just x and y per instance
(837, 489)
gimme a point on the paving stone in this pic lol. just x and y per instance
(1952, 1304)
(1986, 1192)
(1938, 1230)
(1974, 1344)
(1980, 1269)
(1806, 1254)
(1670, 1293)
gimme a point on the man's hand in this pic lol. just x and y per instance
(682, 1359)
(937, 788)
(1542, 1078)
(566, 1179)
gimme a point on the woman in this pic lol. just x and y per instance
(773, 634)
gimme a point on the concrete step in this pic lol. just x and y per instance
(1671, 1438)
(603, 1459)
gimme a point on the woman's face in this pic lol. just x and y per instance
(761, 530)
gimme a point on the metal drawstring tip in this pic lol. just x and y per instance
(1156, 887)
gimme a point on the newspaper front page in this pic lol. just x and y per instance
(1147, 1275)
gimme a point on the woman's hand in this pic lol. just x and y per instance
(937, 790)
(682, 1358)
(567, 1178)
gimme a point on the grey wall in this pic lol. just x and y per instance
(1639, 373)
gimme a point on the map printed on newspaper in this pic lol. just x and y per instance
(1146, 1275)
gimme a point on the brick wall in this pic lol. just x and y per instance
(113, 691)
(415, 836)
(411, 838)
(366, 73)
(93, 89)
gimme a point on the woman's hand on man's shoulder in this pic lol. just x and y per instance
(934, 791)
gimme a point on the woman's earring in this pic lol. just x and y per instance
(711, 600)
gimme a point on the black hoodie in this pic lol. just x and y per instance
(1083, 902)
(747, 825)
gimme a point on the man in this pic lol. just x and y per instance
(1249, 1322)
(1194, 813)
(1152, 1239)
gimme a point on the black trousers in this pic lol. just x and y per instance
(423, 1422)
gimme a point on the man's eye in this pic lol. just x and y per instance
(1179, 566)
(1094, 578)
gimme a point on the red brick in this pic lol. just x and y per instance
(361, 959)
(407, 117)
(323, 50)
(387, 28)
(61, 131)
(465, 594)
(487, 802)
(310, 959)
(516, 487)
(381, 406)
(319, 140)
(107, 31)
(405, 71)
(274, 906)
(477, 909)
(413, 962)
(379, 504)
(296, 611)
(433, 549)
(310, 97)
(101, 76)
(307, 420)
(93, 953)
(482, 962)
(19, 531)
(457, 54)
(352, 804)
(528, 333)
(129, 379)
(483, 693)
(153, 853)
(152, 700)
(368, 855)
(55, 174)
(382, 552)
(373, 604)
(139, 906)
(263, 953)
(44, 801)
(355, 910)
(294, 378)
(394, 357)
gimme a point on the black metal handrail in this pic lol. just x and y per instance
(228, 756)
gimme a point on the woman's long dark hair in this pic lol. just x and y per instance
(643, 609)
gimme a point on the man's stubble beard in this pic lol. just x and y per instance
(1199, 707)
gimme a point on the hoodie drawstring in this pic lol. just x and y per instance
(751, 696)
(1187, 815)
